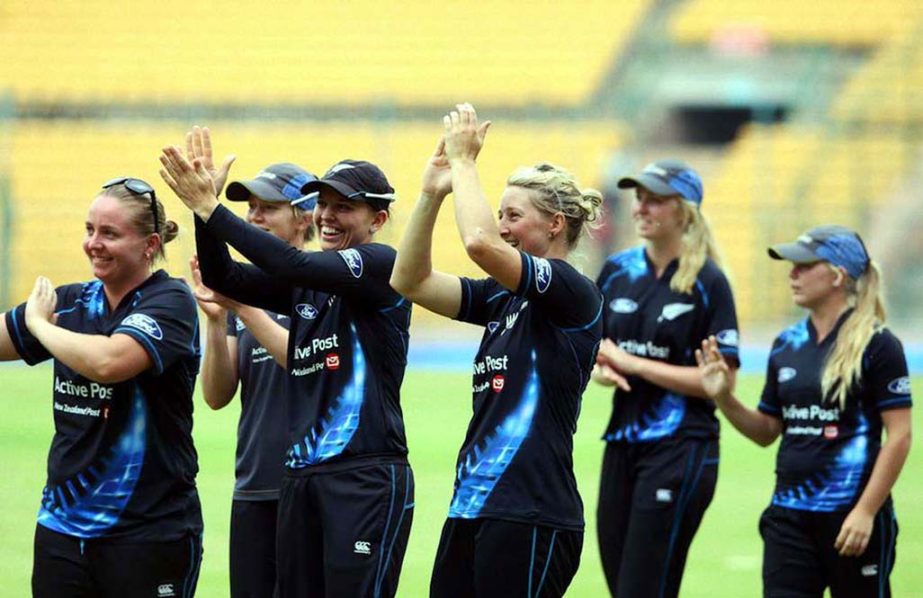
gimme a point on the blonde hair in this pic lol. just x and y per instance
(141, 217)
(843, 367)
(698, 245)
(309, 231)
(556, 190)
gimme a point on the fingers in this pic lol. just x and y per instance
(190, 146)
(440, 148)
(206, 142)
(699, 358)
(482, 130)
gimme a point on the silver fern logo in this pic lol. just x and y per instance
(671, 311)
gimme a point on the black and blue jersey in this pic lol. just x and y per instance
(644, 317)
(262, 432)
(827, 453)
(348, 339)
(122, 464)
(535, 359)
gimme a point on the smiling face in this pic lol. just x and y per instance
(522, 225)
(278, 218)
(342, 223)
(814, 284)
(119, 254)
(656, 217)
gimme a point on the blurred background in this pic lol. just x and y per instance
(794, 112)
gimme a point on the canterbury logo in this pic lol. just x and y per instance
(361, 547)
(671, 311)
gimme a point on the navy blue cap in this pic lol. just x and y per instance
(667, 177)
(355, 179)
(276, 182)
(837, 245)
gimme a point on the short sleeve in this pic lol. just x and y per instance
(478, 298)
(234, 325)
(769, 399)
(569, 299)
(29, 348)
(886, 373)
(721, 318)
(163, 321)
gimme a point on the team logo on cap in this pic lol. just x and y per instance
(728, 337)
(337, 168)
(900, 386)
(623, 305)
(306, 311)
(353, 260)
(786, 374)
(145, 324)
(542, 274)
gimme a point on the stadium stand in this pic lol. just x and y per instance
(404, 53)
(58, 167)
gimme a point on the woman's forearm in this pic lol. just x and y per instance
(757, 426)
(219, 368)
(887, 468)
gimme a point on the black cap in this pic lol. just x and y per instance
(276, 182)
(667, 177)
(354, 179)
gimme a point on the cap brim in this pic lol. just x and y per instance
(242, 190)
(649, 182)
(793, 252)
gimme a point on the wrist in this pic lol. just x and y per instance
(205, 207)
(432, 196)
(461, 161)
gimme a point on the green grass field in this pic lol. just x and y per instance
(724, 560)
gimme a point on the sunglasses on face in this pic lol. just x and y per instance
(138, 187)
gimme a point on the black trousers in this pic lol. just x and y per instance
(343, 532)
(65, 566)
(652, 497)
(490, 557)
(799, 559)
(253, 548)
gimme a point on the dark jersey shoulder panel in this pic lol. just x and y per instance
(827, 452)
(530, 371)
(645, 317)
(122, 464)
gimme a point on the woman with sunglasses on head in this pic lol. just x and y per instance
(346, 500)
(660, 464)
(515, 524)
(119, 515)
(834, 381)
(246, 346)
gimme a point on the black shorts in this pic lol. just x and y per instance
(491, 557)
(253, 548)
(652, 497)
(343, 532)
(799, 559)
(68, 566)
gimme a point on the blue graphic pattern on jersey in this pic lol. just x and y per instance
(836, 488)
(92, 502)
(334, 431)
(659, 422)
(481, 470)
(793, 337)
(630, 263)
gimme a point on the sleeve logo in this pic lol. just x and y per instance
(900, 386)
(542, 274)
(786, 374)
(728, 337)
(145, 324)
(353, 260)
(623, 305)
(306, 311)
(239, 324)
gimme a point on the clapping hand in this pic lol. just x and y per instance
(437, 176)
(212, 303)
(199, 147)
(191, 182)
(41, 303)
(716, 380)
(464, 137)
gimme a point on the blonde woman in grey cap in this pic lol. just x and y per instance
(835, 381)
(660, 464)
(246, 346)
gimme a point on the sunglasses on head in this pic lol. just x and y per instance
(138, 187)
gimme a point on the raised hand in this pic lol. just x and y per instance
(716, 381)
(191, 182)
(464, 137)
(437, 176)
(214, 305)
(41, 303)
(199, 147)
